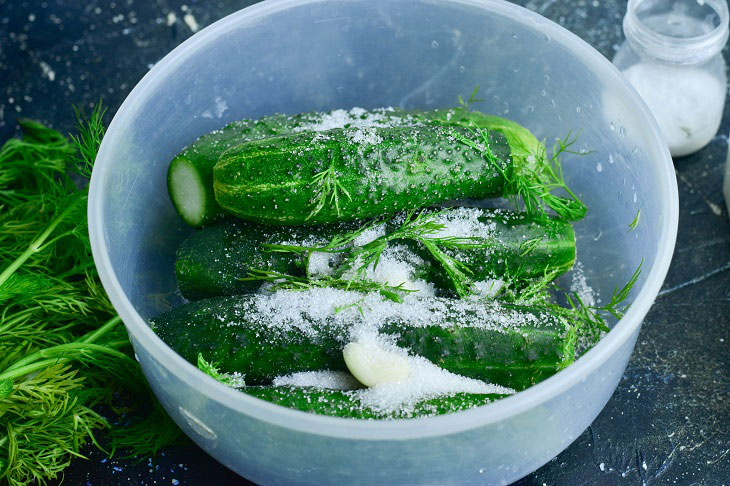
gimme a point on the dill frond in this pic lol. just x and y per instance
(211, 369)
(90, 132)
(533, 183)
(282, 281)
(472, 99)
(327, 186)
(63, 350)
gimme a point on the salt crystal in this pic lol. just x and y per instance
(321, 263)
(425, 381)
(333, 380)
(463, 223)
(487, 288)
(686, 102)
(369, 234)
(354, 118)
(580, 286)
(397, 266)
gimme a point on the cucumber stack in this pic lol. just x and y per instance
(321, 254)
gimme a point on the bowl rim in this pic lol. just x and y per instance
(400, 429)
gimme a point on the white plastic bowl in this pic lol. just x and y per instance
(299, 55)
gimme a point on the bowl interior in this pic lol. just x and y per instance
(370, 54)
(293, 56)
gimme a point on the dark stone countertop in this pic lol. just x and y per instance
(667, 423)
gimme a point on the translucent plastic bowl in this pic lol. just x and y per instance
(294, 56)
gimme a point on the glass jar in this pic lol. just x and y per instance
(672, 57)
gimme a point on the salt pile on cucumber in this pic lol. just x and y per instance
(326, 279)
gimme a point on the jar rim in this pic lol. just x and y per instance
(681, 50)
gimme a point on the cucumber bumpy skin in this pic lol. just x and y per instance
(339, 403)
(465, 337)
(346, 174)
(190, 174)
(214, 261)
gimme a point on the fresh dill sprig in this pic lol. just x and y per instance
(211, 369)
(228, 379)
(619, 295)
(282, 281)
(33, 169)
(587, 322)
(327, 186)
(424, 228)
(45, 425)
(420, 226)
(338, 244)
(533, 182)
(63, 350)
(90, 132)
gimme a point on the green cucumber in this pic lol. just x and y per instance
(525, 247)
(215, 260)
(190, 174)
(345, 403)
(346, 174)
(524, 147)
(265, 336)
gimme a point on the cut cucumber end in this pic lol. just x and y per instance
(188, 191)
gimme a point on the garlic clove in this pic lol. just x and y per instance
(372, 365)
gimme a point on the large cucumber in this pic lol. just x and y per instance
(215, 260)
(346, 174)
(265, 336)
(190, 174)
(340, 403)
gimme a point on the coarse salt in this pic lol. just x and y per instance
(685, 101)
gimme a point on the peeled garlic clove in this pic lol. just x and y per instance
(372, 365)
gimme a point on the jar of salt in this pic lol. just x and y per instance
(672, 57)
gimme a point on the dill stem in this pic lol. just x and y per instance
(94, 335)
(29, 363)
(37, 244)
(62, 348)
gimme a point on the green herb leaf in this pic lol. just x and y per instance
(327, 185)
(63, 350)
(282, 281)
(635, 222)
(228, 379)
(533, 183)
(6, 387)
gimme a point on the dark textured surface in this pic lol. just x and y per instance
(667, 423)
